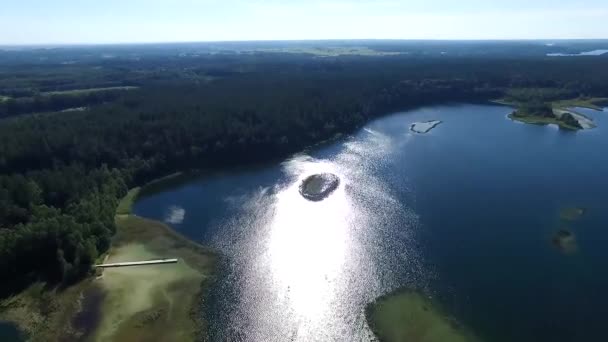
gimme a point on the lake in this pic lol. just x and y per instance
(465, 213)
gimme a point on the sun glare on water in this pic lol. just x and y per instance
(308, 246)
(304, 270)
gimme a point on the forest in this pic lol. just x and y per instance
(62, 172)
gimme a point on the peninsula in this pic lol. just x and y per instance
(543, 114)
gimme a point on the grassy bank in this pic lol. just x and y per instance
(159, 302)
(126, 203)
(142, 303)
(407, 315)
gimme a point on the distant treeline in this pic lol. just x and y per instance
(61, 175)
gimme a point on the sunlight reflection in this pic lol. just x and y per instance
(308, 245)
(310, 267)
(175, 214)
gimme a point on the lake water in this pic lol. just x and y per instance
(465, 212)
(9, 333)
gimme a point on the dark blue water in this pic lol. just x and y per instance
(466, 212)
(9, 333)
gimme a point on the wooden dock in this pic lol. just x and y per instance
(138, 263)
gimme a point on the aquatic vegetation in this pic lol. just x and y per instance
(42, 313)
(407, 315)
(149, 303)
(565, 241)
(156, 301)
(318, 187)
(572, 213)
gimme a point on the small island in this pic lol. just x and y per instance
(408, 315)
(565, 241)
(317, 187)
(424, 127)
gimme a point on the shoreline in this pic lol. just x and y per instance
(155, 302)
(560, 108)
(534, 120)
(181, 315)
(583, 122)
(46, 329)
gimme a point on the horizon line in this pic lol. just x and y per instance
(68, 44)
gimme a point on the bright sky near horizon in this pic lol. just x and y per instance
(124, 21)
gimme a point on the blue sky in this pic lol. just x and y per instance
(123, 21)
